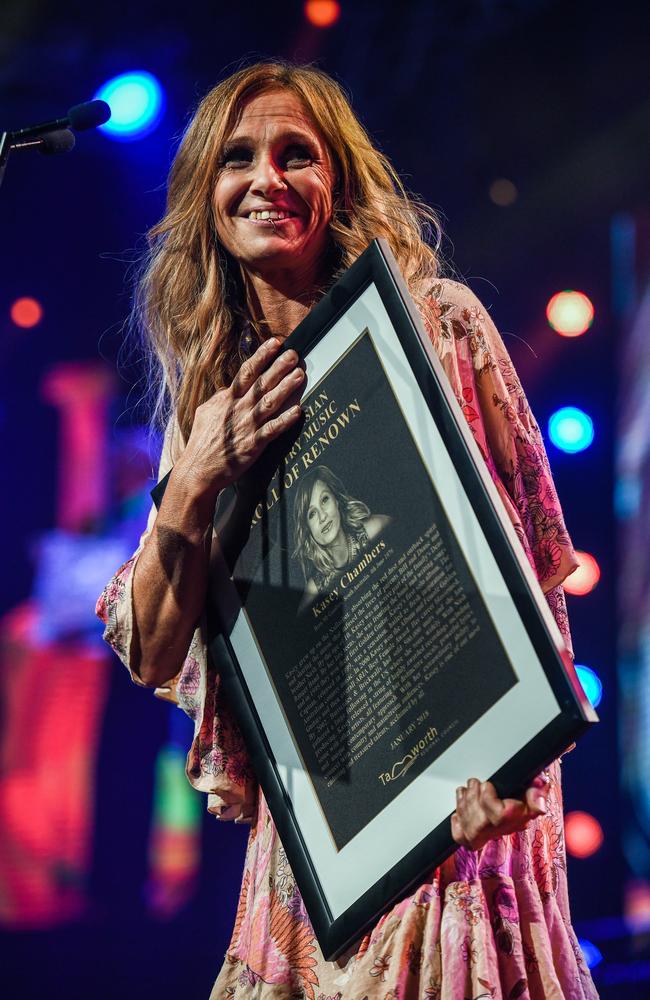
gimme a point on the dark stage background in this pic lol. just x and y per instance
(113, 880)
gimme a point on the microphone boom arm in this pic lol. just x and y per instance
(54, 136)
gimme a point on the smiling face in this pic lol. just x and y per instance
(272, 199)
(323, 516)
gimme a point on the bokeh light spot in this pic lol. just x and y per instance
(503, 192)
(591, 684)
(137, 103)
(583, 833)
(571, 429)
(583, 579)
(591, 954)
(26, 312)
(322, 13)
(570, 313)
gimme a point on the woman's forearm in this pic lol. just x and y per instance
(229, 432)
(170, 578)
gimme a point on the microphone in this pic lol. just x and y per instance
(80, 117)
(61, 141)
(88, 115)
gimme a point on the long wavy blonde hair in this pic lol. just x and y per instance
(190, 299)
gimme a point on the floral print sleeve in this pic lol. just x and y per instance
(114, 605)
(493, 402)
(217, 762)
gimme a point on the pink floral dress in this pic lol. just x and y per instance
(488, 924)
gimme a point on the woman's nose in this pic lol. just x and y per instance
(267, 178)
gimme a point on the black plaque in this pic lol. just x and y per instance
(368, 660)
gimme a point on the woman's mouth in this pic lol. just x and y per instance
(270, 217)
(326, 528)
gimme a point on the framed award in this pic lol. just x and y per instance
(380, 633)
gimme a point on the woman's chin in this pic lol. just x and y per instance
(269, 253)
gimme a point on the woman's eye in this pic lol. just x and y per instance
(311, 515)
(324, 499)
(236, 156)
(298, 156)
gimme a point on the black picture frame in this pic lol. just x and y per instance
(246, 601)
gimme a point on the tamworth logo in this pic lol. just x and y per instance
(400, 767)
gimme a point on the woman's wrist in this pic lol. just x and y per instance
(189, 501)
(196, 486)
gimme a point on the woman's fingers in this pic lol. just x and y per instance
(277, 425)
(466, 820)
(272, 376)
(266, 387)
(259, 373)
(457, 831)
(274, 398)
(481, 815)
(253, 367)
(543, 780)
(537, 798)
(492, 806)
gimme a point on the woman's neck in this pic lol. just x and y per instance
(340, 550)
(280, 302)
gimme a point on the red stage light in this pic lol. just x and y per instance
(322, 13)
(26, 312)
(570, 313)
(583, 580)
(584, 834)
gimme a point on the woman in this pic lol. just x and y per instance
(330, 527)
(275, 188)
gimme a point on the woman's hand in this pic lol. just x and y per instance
(481, 815)
(233, 427)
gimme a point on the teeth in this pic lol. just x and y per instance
(263, 216)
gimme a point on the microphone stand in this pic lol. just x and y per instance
(54, 136)
(5, 149)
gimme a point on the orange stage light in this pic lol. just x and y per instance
(26, 312)
(570, 313)
(503, 192)
(583, 580)
(322, 13)
(584, 834)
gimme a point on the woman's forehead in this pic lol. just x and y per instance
(275, 111)
(318, 487)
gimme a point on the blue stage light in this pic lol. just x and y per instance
(137, 103)
(591, 683)
(571, 429)
(592, 954)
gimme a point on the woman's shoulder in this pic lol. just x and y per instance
(454, 293)
(457, 315)
(375, 524)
